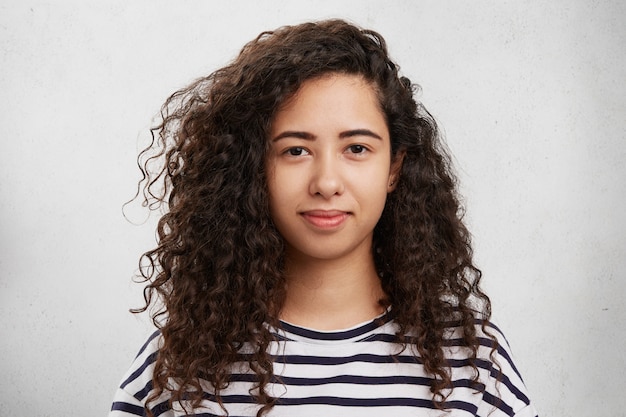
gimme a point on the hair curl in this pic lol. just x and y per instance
(217, 269)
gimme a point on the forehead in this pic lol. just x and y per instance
(328, 79)
(335, 95)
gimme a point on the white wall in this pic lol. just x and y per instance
(531, 97)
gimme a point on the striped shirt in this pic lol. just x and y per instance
(354, 372)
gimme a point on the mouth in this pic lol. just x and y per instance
(325, 219)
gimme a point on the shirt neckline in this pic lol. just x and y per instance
(293, 332)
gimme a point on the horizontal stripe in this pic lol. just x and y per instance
(127, 408)
(153, 336)
(343, 335)
(355, 372)
(148, 362)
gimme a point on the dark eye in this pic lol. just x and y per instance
(357, 148)
(296, 151)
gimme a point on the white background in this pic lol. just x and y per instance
(532, 100)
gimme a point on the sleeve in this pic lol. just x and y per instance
(528, 411)
(129, 399)
(506, 390)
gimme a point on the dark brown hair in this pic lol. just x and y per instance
(217, 269)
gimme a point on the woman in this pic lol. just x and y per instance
(312, 259)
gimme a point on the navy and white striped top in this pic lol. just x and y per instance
(346, 373)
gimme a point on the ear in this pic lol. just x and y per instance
(394, 171)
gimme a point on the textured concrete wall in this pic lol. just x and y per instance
(532, 100)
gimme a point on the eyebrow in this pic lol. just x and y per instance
(309, 136)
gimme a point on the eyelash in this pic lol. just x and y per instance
(359, 148)
(296, 151)
(299, 149)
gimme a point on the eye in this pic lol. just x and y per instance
(357, 149)
(296, 151)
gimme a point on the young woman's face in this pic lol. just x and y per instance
(329, 168)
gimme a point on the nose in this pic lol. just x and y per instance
(326, 179)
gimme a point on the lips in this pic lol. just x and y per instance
(325, 219)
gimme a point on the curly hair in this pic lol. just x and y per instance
(216, 275)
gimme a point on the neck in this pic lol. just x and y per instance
(331, 294)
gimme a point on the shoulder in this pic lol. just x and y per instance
(136, 384)
(504, 388)
(492, 348)
(491, 341)
(143, 364)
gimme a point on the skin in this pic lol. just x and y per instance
(330, 172)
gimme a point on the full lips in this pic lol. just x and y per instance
(325, 219)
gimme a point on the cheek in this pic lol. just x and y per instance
(280, 188)
(377, 177)
(378, 183)
(273, 200)
(271, 181)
